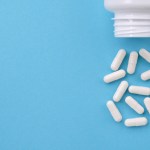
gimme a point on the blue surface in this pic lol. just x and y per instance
(53, 56)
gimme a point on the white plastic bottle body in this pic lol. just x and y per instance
(131, 19)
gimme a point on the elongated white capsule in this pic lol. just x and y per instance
(145, 75)
(120, 91)
(132, 62)
(134, 105)
(147, 103)
(118, 60)
(135, 122)
(114, 76)
(114, 111)
(140, 90)
(145, 54)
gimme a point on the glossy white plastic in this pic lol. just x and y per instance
(132, 17)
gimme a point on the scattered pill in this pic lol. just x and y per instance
(146, 75)
(145, 54)
(120, 91)
(114, 76)
(134, 122)
(134, 105)
(147, 103)
(139, 90)
(123, 86)
(114, 111)
(132, 62)
(118, 60)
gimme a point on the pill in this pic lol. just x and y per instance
(140, 90)
(146, 75)
(135, 122)
(120, 91)
(145, 54)
(132, 62)
(147, 103)
(134, 105)
(118, 60)
(114, 111)
(114, 76)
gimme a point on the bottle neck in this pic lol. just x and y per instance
(132, 24)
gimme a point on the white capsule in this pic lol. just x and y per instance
(140, 90)
(132, 62)
(118, 60)
(147, 103)
(114, 111)
(134, 105)
(114, 76)
(145, 54)
(145, 75)
(120, 91)
(135, 122)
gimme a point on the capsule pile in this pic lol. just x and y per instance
(124, 86)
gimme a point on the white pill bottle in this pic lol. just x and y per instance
(131, 17)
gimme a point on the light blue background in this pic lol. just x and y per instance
(53, 56)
